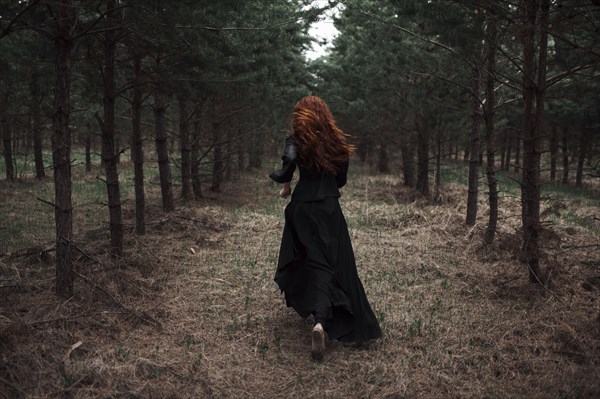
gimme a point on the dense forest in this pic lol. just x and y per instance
(130, 126)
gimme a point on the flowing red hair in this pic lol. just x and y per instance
(321, 144)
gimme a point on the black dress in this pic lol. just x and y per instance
(316, 269)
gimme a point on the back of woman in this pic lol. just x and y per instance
(316, 269)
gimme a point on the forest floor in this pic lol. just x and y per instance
(191, 310)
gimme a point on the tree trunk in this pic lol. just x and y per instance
(422, 156)
(581, 158)
(61, 149)
(438, 166)
(255, 153)
(7, 142)
(137, 147)
(184, 145)
(195, 162)
(240, 154)
(162, 151)
(509, 145)
(553, 152)
(108, 135)
(228, 156)
(88, 148)
(533, 98)
(473, 190)
(383, 164)
(565, 155)
(38, 157)
(490, 102)
(408, 164)
(217, 172)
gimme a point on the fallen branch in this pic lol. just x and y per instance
(141, 316)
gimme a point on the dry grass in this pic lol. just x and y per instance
(192, 311)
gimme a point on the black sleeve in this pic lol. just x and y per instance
(340, 178)
(284, 175)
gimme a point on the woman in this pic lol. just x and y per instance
(316, 269)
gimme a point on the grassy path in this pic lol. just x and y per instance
(198, 314)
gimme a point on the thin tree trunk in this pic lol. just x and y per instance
(255, 153)
(509, 145)
(162, 151)
(61, 149)
(473, 190)
(38, 157)
(565, 155)
(422, 156)
(438, 166)
(240, 155)
(533, 97)
(517, 165)
(137, 147)
(108, 135)
(383, 164)
(408, 164)
(553, 152)
(184, 145)
(228, 156)
(7, 142)
(217, 172)
(195, 167)
(504, 139)
(581, 158)
(490, 102)
(88, 151)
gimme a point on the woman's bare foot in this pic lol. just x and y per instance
(318, 342)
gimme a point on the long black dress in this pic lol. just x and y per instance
(316, 269)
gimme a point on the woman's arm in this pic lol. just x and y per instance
(285, 174)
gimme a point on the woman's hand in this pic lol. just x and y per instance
(285, 191)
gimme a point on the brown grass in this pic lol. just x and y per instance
(192, 311)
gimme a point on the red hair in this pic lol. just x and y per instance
(321, 144)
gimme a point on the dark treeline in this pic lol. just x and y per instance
(505, 85)
(205, 82)
(204, 89)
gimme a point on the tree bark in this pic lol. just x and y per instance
(137, 147)
(107, 125)
(565, 155)
(184, 147)
(533, 98)
(581, 156)
(383, 164)
(195, 162)
(217, 172)
(490, 102)
(162, 151)
(553, 152)
(7, 142)
(88, 151)
(61, 149)
(438, 166)
(473, 189)
(38, 156)
(408, 164)
(504, 140)
(240, 154)
(509, 145)
(256, 150)
(422, 156)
